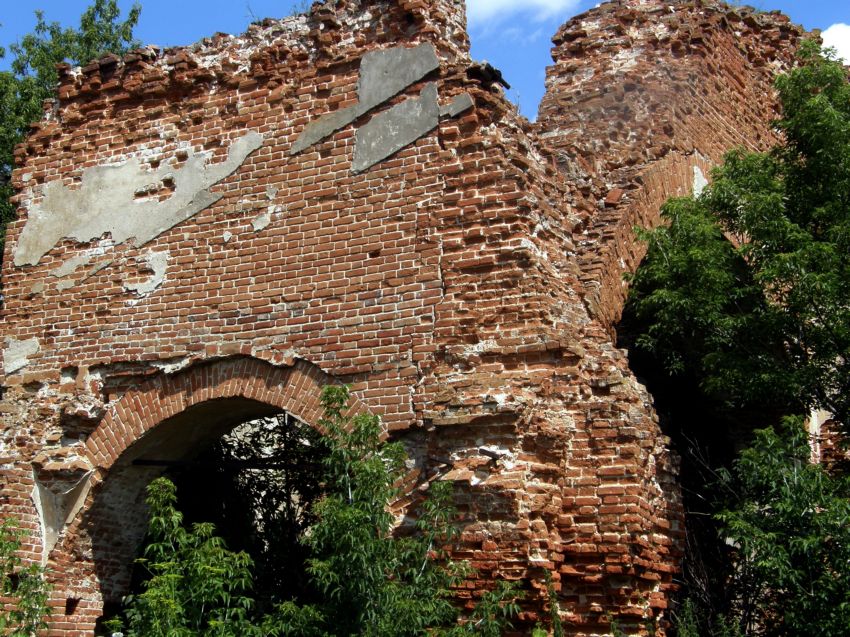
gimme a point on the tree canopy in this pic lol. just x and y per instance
(745, 292)
(748, 286)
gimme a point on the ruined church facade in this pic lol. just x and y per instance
(210, 234)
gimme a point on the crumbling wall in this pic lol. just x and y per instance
(643, 99)
(209, 234)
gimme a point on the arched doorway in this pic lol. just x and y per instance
(167, 418)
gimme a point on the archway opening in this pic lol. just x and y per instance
(257, 484)
(248, 467)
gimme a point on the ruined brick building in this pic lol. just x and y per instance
(209, 234)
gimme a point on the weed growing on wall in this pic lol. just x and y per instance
(23, 587)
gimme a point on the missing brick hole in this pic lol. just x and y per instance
(374, 253)
(71, 605)
(33, 387)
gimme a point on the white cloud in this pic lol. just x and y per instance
(484, 11)
(838, 37)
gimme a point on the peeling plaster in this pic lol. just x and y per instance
(158, 262)
(392, 130)
(108, 201)
(16, 353)
(384, 74)
(263, 220)
(55, 510)
(700, 182)
(71, 265)
(172, 365)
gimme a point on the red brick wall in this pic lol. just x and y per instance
(640, 93)
(448, 284)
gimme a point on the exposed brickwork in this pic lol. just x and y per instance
(449, 284)
(643, 92)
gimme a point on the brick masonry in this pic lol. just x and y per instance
(182, 263)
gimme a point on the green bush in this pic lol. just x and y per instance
(367, 580)
(25, 587)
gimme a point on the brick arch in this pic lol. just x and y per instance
(295, 389)
(110, 524)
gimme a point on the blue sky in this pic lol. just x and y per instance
(513, 35)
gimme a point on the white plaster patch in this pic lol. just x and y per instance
(158, 262)
(71, 265)
(107, 200)
(625, 59)
(16, 353)
(57, 509)
(527, 244)
(700, 182)
(501, 399)
(263, 220)
(227, 236)
(481, 347)
(172, 365)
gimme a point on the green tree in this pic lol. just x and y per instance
(746, 288)
(745, 292)
(33, 76)
(371, 581)
(24, 588)
(196, 585)
(787, 522)
(257, 484)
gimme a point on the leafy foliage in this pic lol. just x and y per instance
(788, 523)
(746, 292)
(371, 582)
(763, 319)
(33, 76)
(258, 485)
(196, 585)
(367, 580)
(24, 587)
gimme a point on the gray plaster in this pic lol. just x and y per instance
(17, 353)
(158, 262)
(383, 74)
(262, 221)
(386, 73)
(106, 201)
(58, 509)
(71, 265)
(459, 104)
(392, 130)
(317, 130)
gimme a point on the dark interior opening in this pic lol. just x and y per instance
(707, 437)
(257, 485)
(256, 481)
